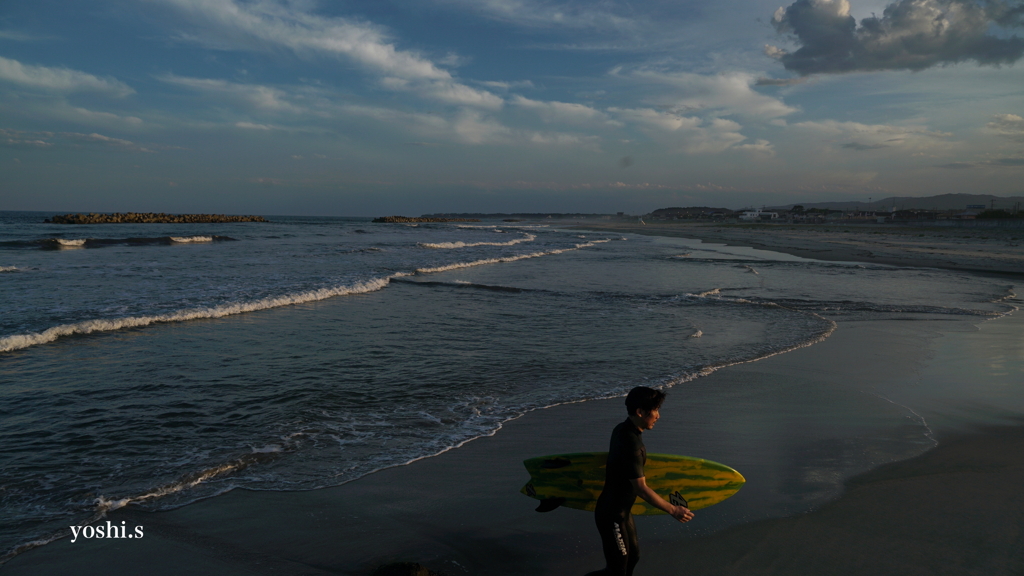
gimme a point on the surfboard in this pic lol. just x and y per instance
(576, 480)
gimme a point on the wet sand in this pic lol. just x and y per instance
(998, 250)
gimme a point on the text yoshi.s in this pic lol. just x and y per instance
(109, 531)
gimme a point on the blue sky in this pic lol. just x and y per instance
(399, 106)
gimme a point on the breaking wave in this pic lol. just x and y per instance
(459, 265)
(450, 245)
(20, 341)
(63, 243)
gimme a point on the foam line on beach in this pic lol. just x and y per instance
(105, 505)
(21, 341)
(459, 265)
(452, 245)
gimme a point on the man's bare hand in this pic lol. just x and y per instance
(682, 513)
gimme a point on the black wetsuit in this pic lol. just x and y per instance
(626, 458)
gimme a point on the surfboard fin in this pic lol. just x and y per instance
(549, 504)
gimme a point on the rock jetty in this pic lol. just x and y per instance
(407, 220)
(149, 218)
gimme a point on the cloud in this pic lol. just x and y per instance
(564, 112)
(910, 35)
(251, 126)
(271, 25)
(863, 147)
(59, 80)
(778, 81)
(581, 14)
(1010, 162)
(760, 147)
(725, 94)
(1008, 125)
(252, 96)
(694, 135)
(44, 140)
(861, 137)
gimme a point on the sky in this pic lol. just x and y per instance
(376, 107)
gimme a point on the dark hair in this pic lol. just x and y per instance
(644, 398)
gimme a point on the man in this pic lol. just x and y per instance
(624, 481)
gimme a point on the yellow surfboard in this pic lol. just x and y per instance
(576, 480)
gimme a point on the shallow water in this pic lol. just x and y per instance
(308, 352)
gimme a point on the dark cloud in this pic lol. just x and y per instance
(909, 35)
(998, 162)
(1011, 162)
(778, 81)
(859, 146)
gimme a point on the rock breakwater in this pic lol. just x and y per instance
(407, 220)
(149, 218)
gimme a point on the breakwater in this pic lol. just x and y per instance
(149, 218)
(407, 220)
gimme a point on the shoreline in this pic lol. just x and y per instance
(459, 512)
(986, 251)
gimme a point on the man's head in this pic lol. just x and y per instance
(643, 405)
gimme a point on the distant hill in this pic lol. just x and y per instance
(940, 202)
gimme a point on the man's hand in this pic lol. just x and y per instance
(682, 513)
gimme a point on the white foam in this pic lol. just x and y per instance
(71, 241)
(715, 292)
(459, 265)
(452, 245)
(696, 334)
(20, 341)
(191, 239)
(8, 268)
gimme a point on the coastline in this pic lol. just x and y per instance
(460, 512)
(999, 251)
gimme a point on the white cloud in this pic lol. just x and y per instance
(60, 80)
(865, 137)
(251, 126)
(724, 94)
(233, 25)
(18, 139)
(564, 112)
(548, 14)
(1008, 125)
(694, 135)
(255, 96)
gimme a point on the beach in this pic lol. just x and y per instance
(984, 249)
(933, 488)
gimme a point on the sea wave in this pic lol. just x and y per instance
(451, 245)
(459, 265)
(63, 243)
(21, 341)
(8, 269)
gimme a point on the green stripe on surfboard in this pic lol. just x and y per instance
(579, 479)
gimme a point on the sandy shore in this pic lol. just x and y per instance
(973, 249)
(955, 509)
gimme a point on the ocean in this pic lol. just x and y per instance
(155, 365)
